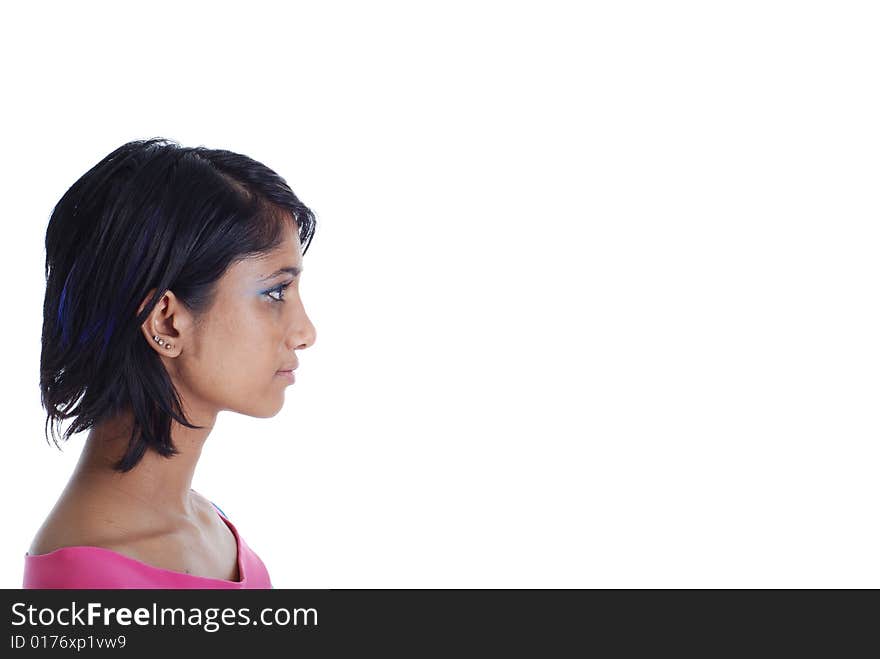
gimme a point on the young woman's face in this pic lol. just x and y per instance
(231, 359)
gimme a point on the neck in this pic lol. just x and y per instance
(156, 482)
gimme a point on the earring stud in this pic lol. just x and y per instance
(158, 339)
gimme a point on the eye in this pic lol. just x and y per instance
(280, 290)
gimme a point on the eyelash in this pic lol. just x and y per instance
(278, 289)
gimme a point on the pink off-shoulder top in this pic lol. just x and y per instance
(96, 567)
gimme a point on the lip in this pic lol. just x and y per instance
(287, 375)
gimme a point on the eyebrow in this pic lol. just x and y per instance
(293, 270)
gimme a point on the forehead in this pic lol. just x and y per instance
(289, 250)
(288, 254)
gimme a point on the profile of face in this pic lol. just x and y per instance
(230, 359)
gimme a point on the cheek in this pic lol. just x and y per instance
(234, 362)
(240, 363)
(243, 380)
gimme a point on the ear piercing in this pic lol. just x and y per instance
(161, 341)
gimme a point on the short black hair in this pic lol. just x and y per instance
(151, 214)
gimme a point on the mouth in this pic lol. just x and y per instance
(288, 375)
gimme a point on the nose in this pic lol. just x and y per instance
(310, 335)
(302, 332)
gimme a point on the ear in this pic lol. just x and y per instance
(166, 325)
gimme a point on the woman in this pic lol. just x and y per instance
(172, 294)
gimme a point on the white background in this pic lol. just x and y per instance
(594, 284)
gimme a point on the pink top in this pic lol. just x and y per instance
(96, 567)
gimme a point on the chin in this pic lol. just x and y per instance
(275, 409)
(267, 413)
(268, 408)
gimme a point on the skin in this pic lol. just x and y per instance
(226, 361)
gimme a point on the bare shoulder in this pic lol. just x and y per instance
(202, 546)
(80, 522)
